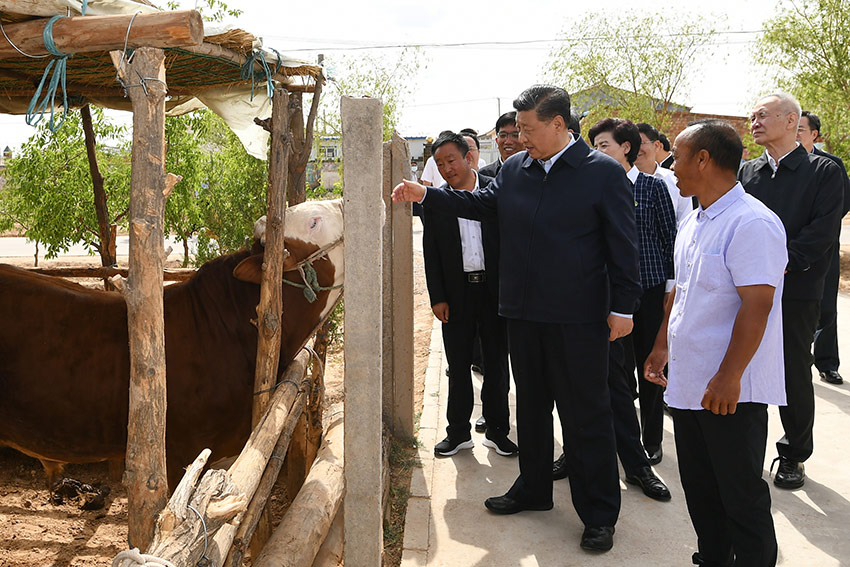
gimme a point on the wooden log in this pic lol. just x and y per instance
(146, 478)
(172, 275)
(330, 553)
(53, 7)
(250, 521)
(249, 467)
(270, 308)
(82, 34)
(297, 539)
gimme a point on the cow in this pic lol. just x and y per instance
(65, 362)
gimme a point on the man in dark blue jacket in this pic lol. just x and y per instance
(567, 228)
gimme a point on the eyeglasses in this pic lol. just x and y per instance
(506, 135)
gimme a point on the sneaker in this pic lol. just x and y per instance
(789, 475)
(501, 444)
(448, 446)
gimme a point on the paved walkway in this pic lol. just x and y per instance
(447, 524)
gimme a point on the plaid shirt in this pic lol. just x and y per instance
(656, 224)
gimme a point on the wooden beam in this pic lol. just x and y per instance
(270, 309)
(80, 34)
(147, 485)
(172, 275)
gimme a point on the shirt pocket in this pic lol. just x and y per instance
(713, 273)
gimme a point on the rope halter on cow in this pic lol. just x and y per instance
(308, 273)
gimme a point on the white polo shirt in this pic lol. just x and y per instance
(737, 241)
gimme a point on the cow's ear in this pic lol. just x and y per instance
(250, 269)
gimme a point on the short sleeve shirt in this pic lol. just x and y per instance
(735, 242)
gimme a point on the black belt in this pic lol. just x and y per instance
(476, 277)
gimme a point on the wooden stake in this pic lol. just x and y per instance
(147, 484)
(270, 309)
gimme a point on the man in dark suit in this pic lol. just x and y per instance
(461, 269)
(507, 139)
(662, 151)
(567, 230)
(806, 192)
(826, 337)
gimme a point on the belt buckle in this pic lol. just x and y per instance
(475, 277)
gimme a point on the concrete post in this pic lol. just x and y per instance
(364, 218)
(402, 296)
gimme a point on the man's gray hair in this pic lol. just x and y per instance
(787, 102)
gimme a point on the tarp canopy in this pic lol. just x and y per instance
(209, 75)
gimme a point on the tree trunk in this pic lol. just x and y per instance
(106, 233)
(147, 484)
(302, 144)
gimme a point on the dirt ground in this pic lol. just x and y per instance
(34, 532)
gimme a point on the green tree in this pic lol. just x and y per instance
(49, 187)
(807, 42)
(640, 64)
(232, 191)
(390, 77)
(185, 157)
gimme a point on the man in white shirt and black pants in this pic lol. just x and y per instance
(461, 269)
(722, 339)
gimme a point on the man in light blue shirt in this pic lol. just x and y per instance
(722, 338)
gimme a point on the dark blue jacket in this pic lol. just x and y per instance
(562, 235)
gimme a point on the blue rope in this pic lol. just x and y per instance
(249, 73)
(39, 106)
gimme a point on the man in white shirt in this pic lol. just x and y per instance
(462, 273)
(646, 163)
(722, 339)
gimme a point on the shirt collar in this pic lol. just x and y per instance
(632, 174)
(774, 163)
(548, 163)
(724, 202)
(476, 182)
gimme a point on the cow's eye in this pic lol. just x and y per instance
(314, 222)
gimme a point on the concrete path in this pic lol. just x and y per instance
(447, 524)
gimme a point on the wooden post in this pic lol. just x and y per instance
(146, 479)
(83, 34)
(398, 294)
(270, 309)
(364, 217)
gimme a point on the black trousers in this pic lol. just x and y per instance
(626, 426)
(478, 318)
(720, 462)
(799, 319)
(647, 320)
(826, 337)
(565, 365)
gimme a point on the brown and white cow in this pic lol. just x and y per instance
(64, 354)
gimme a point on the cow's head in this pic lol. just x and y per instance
(308, 227)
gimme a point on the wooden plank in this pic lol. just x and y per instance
(270, 308)
(147, 484)
(82, 34)
(171, 275)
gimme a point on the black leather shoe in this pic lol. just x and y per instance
(597, 539)
(651, 485)
(480, 425)
(654, 455)
(559, 468)
(477, 368)
(506, 505)
(832, 377)
(789, 475)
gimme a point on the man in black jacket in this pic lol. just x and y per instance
(461, 269)
(805, 191)
(567, 229)
(507, 140)
(826, 337)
